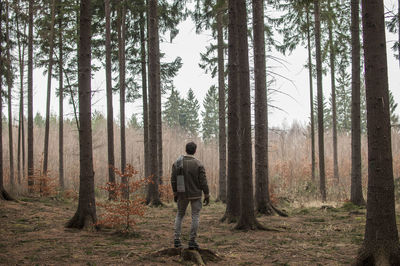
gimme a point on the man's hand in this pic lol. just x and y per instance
(206, 200)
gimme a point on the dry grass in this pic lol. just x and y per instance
(289, 159)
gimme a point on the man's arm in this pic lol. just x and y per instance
(203, 180)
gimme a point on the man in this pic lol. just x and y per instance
(188, 181)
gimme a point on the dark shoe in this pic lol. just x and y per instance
(193, 245)
(177, 243)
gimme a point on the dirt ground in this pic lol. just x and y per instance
(32, 232)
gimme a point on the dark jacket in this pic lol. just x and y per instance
(194, 176)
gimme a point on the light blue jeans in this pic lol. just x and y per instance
(196, 207)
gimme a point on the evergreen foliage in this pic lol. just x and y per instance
(210, 114)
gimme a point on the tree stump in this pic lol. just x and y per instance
(200, 256)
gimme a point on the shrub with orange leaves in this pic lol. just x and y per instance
(121, 212)
(43, 184)
(166, 193)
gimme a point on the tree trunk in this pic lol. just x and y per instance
(9, 85)
(333, 87)
(221, 105)
(121, 59)
(310, 77)
(3, 193)
(144, 95)
(49, 73)
(110, 115)
(381, 241)
(153, 194)
(247, 219)
(233, 183)
(61, 100)
(86, 212)
(21, 141)
(356, 196)
(260, 111)
(30, 99)
(159, 113)
(320, 101)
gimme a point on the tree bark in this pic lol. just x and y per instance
(261, 112)
(110, 115)
(233, 186)
(122, 70)
(159, 111)
(153, 54)
(86, 212)
(310, 77)
(9, 86)
(381, 241)
(221, 105)
(21, 136)
(144, 95)
(3, 193)
(49, 73)
(333, 95)
(320, 101)
(61, 100)
(356, 196)
(247, 219)
(30, 99)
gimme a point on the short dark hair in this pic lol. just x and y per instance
(191, 148)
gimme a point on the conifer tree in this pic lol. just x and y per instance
(173, 109)
(190, 110)
(210, 115)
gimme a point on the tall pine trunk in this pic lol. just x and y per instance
(356, 196)
(21, 140)
(3, 193)
(320, 100)
(86, 212)
(153, 55)
(159, 114)
(9, 86)
(144, 95)
(233, 183)
(221, 104)
(333, 94)
(61, 99)
(381, 241)
(260, 111)
(49, 76)
(122, 69)
(30, 99)
(310, 77)
(110, 115)
(247, 219)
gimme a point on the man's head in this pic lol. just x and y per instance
(191, 148)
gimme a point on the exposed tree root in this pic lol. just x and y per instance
(380, 256)
(154, 203)
(81, 221)
(253, 225)
(229, 218)
(270, 209)
(5, 196)
(200, 257)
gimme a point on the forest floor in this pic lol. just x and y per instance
(32, 232)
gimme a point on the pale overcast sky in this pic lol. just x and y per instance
(188, 45)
